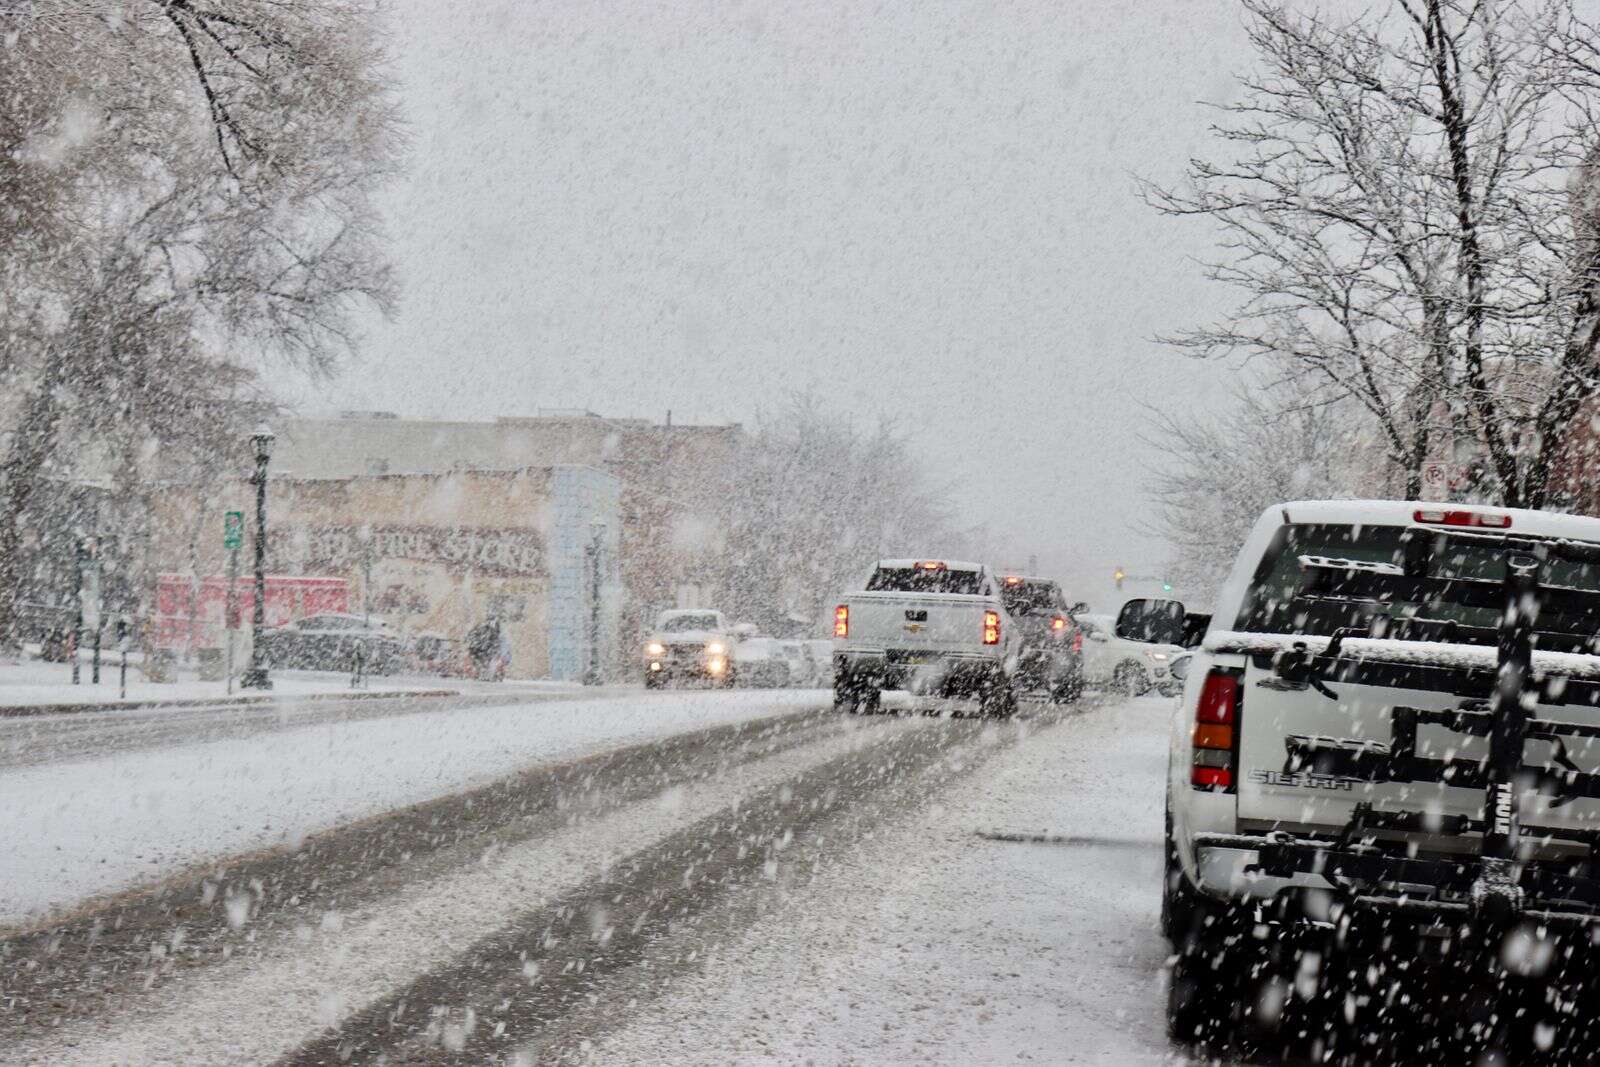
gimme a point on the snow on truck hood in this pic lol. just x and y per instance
(1431, 653)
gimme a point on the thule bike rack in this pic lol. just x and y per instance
(1498, 884)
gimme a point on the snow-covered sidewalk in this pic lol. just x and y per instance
(77, 829)
(36, 684)
(931, 944)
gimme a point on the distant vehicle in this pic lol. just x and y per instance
(1051, 660)
(331, 642)
(931, 626)
(433, 653)
(689, 644)
(820, 656)
(762, 663)
(1128, 667)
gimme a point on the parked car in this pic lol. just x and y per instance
(937, 627)
(689, 644)
(433, 653)
(1051, 660)
(331, 642)
(1124, 666)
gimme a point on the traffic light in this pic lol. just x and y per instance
(1119, 574)
(1166, 586)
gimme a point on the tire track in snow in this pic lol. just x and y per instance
(531, 991)
(247, 1010)
(101, 954)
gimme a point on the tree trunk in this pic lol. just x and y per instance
(31, 448)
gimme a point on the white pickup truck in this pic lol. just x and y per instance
(1384, 772)
(937, 627)
(689, 643)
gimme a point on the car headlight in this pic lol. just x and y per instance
(655, 648)
(715, 648)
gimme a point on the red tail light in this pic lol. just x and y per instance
(1077, 641)
(1058, 623)
(841, 621)
(1219, 698)
(1489, 520)
(991, 627)
(1216, 733)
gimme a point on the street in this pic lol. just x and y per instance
(760, 877)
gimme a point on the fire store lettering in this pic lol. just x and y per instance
(482, 550)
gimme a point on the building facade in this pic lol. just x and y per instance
(673, 477)
(536, 548)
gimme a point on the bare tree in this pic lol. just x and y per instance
(1398, 221)
(208, 171)
(1283, 440)
(817, 501)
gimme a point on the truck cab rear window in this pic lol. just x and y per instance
(919, 580)
(1280, 599)
(1032, 598)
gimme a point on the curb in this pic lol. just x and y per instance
(23, 711)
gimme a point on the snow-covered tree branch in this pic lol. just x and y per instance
(188, 197)
(1397, 212)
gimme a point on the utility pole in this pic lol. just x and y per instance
(232, 538)
(80, 553)
(255, 677)
(597, 531)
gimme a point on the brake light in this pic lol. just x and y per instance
(1490, 520)
(1216, 733)
(841, 621)
(1012, 579)
(1219, 698)
(1058, 623)
(991, 627)
(930, 565)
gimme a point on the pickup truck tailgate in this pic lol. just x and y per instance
(933, 622)
(1273, 789)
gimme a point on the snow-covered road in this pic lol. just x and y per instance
(931, 944)
(77, 828)
(778, 883)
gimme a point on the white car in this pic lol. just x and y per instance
(820, 655)
(766, 662)
(1123, 665)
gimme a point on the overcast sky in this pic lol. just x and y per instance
(921, 210)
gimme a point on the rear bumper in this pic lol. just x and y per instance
(930, 671)
(1249, 867)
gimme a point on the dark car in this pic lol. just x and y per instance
(1051, 660)
(331, 642)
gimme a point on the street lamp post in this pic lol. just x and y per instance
(597, 533)
(255, 676)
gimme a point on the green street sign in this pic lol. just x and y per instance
(232, 529)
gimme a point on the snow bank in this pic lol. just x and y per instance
(73, 830)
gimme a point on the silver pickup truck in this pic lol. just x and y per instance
(935, 627)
